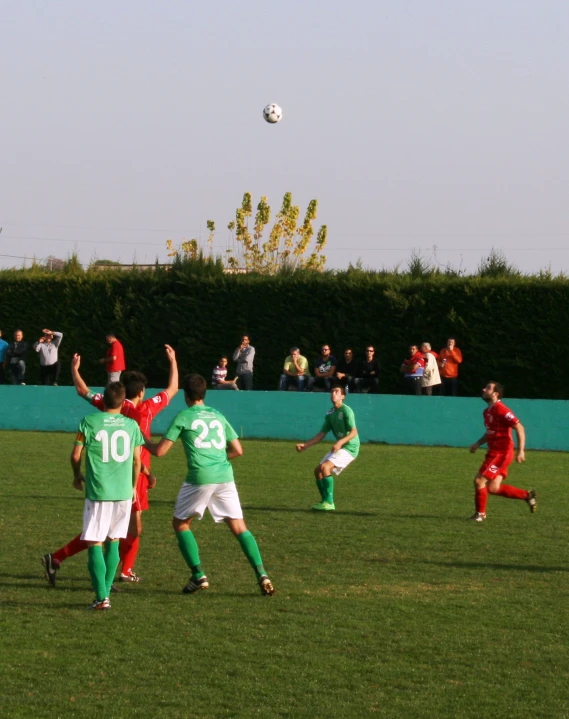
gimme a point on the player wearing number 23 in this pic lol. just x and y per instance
(209, 443)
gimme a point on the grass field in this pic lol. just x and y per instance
(395, 605)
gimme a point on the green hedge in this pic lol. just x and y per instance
(512, 329)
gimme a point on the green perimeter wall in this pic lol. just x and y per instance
(394, 419)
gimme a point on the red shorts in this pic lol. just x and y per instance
(496, 464)
(140, 502)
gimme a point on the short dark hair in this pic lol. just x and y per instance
(114, 395)
(294, 349)
(134, 382)
(339, 385)
(498, 388)
(194, 386)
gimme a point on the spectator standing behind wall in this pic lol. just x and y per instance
(449, 359)
(413, 369)
(114, 360)
(47, 347)
(3, 350)
(244, 356)
(431, 376)
(295, 371)
(16, 358)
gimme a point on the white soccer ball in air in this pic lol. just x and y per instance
(272, 113)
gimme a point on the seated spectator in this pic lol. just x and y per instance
(347, 370)
(324, 370)
(16, 358)
(47, 346)
(413, 369)
(295, 371)
(431, 376)
(368, 372)
(449, 359)
(219, 377)
(3, 349)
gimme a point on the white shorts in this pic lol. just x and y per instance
(222, 501)
(105, 519)
(340, 459)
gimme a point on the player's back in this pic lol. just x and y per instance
(204, 432)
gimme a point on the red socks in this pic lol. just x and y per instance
(481, 499)
(506, 490)
(75, 546)
(128, 550)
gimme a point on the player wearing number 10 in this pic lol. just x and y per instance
(113, 444)
(209, 443)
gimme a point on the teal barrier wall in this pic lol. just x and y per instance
(394, 419)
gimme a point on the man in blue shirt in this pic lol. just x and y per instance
(3, 348)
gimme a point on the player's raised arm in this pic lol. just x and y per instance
(234, 449)
(80, 385)
(159, 449)
(173, 384)
(305, 445)
(519, 429)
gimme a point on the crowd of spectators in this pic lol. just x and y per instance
(424, 371)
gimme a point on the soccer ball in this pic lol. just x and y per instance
(272, 113)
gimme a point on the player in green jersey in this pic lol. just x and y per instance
(341, 422)
(113, 444)
(209, 443)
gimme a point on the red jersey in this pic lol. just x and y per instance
(499, 420)
(117, 365)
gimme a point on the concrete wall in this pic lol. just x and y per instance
(395, 419)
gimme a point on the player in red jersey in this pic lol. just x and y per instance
(143, 412)
(499, 422)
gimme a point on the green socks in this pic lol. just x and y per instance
(320, 485)
(251, 551)
(112, 560)
(97, 570)
(190, 552)
(328, 483)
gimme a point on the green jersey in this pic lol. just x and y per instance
(205, 433)
(110, 440)
(340, 421)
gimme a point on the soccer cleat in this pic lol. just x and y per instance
(100, 605)
(266, 586)
(194, 585)
(478, 516)
(50, 569)
(532, 501)
(324, 507)
(130, 576)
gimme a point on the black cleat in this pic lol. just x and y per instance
(49, 568)
(532, 501)
(194, 585)
(266, 586)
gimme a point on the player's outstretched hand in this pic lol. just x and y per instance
(78, 482)
(170, 353)
(300, 447)
(151, 480)
(75, 361)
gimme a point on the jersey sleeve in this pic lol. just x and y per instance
(230, 433)
(81, 433)
(80, 439)
(156, 404)
(96, 400)
(175, 429)
(507, 416)
(350, 418)
(138, 437)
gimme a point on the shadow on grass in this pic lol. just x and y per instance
(303, 510)
(491, 565)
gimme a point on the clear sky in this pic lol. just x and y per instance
(415, 123)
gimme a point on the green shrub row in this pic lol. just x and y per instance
(511, 329)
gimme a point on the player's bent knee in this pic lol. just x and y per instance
(237, 526)
(181, 525)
